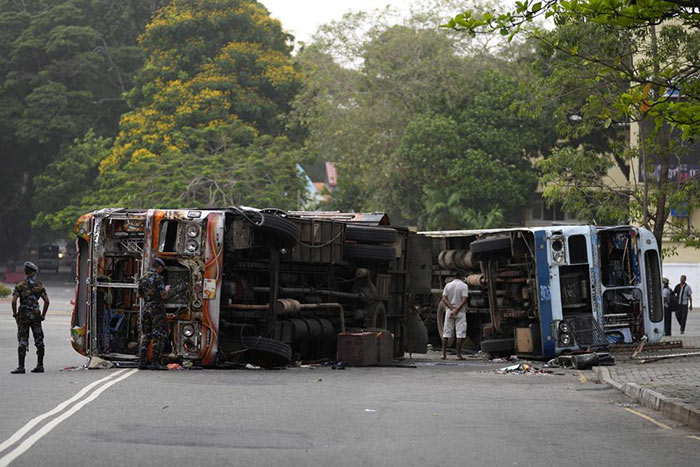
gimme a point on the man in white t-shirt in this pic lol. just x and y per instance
(454, 296)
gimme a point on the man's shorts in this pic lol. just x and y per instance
(458, 323)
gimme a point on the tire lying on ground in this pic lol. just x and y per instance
(367, 234)
(498, 346)
(272, 228)
(265, 352)
(369, 252)
(490, 246)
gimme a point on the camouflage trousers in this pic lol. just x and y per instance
(27, 320)
(154, 325)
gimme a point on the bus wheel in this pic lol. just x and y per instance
(367, 234)
(275, 229)
(490, 245)
(498, 347)
(376, 253)
(265, 352)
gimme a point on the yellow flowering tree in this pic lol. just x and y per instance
(207, 125)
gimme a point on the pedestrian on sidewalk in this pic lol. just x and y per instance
(685, 302)
(28, 292)
(454, 297)
(667, 293)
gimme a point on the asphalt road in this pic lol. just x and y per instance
(435, 414)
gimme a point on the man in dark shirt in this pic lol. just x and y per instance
(685, 302)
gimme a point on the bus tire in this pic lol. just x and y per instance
(498, 346)
(490, 246)
(366, 234)
(265, 352)
(275, 229)
(369, 252)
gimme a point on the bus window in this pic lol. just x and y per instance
(578, 253)
(168, 236)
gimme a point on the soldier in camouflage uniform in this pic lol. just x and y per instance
(29, 317)
(154, 321)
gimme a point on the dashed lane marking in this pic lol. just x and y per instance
(649, 419)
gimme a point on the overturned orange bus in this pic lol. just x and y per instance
(253, 286)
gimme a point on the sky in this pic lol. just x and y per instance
(301, 18)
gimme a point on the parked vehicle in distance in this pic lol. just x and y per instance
(541, 292)
(48, 258)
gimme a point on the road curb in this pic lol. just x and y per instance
(672, 408)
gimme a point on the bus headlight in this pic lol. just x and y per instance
(564, 327)
(565, 339)
(188, 330)
(192, 230)
(191, 246)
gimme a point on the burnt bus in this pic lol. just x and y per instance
(247, 286)
(543, 291)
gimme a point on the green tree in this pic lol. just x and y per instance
(64, 65)
(409, 104)
(208, 126)
(655, 61)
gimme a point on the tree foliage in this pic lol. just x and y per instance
(207, 125)
(627, 61)
(64, 65)
(415, 116)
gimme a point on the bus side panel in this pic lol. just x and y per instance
(212, 287)
(544, 293)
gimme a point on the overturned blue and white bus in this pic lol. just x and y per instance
(544, 291)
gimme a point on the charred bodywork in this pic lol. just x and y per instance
(247, 285)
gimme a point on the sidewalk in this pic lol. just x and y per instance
(671, 386)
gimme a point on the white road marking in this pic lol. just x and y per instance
(33, 422)
(29, 442)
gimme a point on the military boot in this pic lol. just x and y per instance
(143, 360)
(20, 357)
(39, 361)
(158, 366)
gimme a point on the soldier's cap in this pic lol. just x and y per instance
(666, 281)
(30, 265)
(158, 262)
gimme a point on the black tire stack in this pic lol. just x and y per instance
(366, 243)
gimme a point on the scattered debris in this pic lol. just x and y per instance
(512, 358)
(582, 361)
(521, 369)
(370, 410)
(339, 366)
(656, 358)
(96, 363)
(175, 366)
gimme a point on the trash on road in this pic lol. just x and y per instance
(521, 369)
